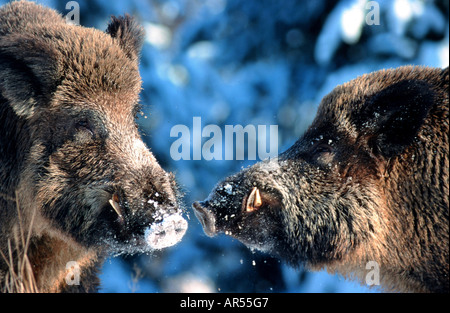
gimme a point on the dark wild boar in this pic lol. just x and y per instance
(368, 181)
(76, 180)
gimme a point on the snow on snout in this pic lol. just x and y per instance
(166, 233)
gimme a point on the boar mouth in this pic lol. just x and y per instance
(205, 217)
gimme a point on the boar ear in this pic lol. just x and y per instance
(128, 33)
(394, 115)
(28, 73)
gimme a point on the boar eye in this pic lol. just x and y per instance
(84, 126)
(323, 149)
(323, 154)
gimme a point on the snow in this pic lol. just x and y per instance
(158, 35)
(234, 62)
(166, 233)
(228, 189)
(352, 21)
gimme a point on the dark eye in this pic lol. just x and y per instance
(323, 153)
(84, 126)
(323, 148)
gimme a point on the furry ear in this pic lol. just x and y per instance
(394, 115)
(28, 73)
(128, 33)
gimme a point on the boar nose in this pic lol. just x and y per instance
(205, 217)
(166, 233)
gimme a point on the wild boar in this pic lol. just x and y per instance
(367, 182)
(76, 180)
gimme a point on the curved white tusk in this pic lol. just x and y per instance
(116, 208)
(254, 200)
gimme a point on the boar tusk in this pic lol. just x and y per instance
(258, 202)
(116, 207)
(254, 200)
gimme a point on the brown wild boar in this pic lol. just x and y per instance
(76, 180)
(368, 181)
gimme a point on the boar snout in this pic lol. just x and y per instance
(143, 208)
(166, 233)
(206, 218)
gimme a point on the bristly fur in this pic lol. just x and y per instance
(368, 181)
(69, 144)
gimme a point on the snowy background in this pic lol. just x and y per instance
(259, 62)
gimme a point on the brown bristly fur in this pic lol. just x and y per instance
(69, 143)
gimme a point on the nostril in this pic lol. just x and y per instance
(179, 230)
(181, 226)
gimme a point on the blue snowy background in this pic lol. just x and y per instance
(258, 62)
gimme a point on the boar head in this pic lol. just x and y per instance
(327, 197)
(73, 97)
